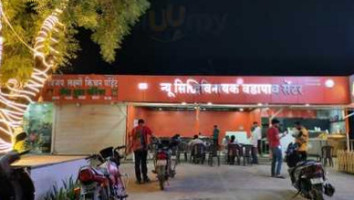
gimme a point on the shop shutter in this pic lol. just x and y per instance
(86, 129)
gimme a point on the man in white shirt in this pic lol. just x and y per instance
(256, 135)
(195, 141)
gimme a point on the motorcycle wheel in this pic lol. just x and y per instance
(88, 197)
(162, 184)
(103, 194)
(161, 176)
(316, 195)
(94, 196)
(172, 174)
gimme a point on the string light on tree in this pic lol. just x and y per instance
(12, 115)
(53, 46)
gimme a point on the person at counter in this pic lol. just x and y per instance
(138, 144)
(302, 139)
(274, 137)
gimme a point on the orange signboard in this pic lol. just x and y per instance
(197, 89)
(81, 89)
(234, 90)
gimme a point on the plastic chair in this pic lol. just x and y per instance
(198, 153)
(183, 149)
(246, 154)
(213, 153)
(233, 151)
(327, 155)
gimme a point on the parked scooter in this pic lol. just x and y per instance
(104, 180)
(308, 177)
(165, 160)
(15, 183)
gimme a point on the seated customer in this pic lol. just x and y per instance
(233, 140)
(195, 141)
(176, 140)
(225, 141)
(233, 150)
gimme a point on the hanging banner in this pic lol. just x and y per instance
(81, 88)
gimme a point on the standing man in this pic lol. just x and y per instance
(275, 147)
(216, 133)
(302, 139)
(138, 144)
(256, 135)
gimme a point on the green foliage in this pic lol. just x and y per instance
(64, 193)
(109, 21)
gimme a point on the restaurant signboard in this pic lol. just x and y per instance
(81, 88)
(198, 89)
(234, 90)
(193, 87)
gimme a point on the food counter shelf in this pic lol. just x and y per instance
(338, 142)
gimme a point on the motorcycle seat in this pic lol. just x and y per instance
(306, 162)
(98, 172)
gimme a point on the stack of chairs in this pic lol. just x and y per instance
(213, 153)
(246, 154)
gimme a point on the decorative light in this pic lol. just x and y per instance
(12, 115)
(241, 109)
(1, 38)
(240, 81)
(329, 83)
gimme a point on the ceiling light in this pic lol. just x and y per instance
(260, 104)
(143, 86)
(209, 103)
(184, 103)
(241, 109)
(307, 105)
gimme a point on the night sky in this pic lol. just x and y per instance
(233, 37)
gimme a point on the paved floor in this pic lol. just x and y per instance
(195, 182)
(44, 160)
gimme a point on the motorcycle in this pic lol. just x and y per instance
(165, 160)
(103, 181)
(308, 177)
(15, 183)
